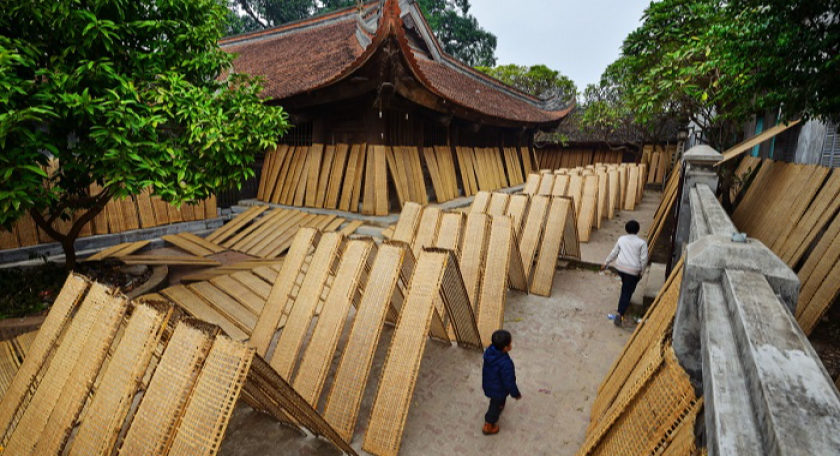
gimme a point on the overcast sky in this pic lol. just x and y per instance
(579, 38)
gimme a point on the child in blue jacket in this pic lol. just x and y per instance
(498, 378)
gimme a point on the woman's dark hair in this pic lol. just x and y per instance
(501, 339)
(632, 227)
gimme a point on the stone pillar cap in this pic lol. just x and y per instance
(702, 154)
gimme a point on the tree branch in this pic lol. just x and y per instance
(250, 12)
(44, 225)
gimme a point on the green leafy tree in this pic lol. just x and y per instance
(783, 53)
(458, 31)
(537, 80)
(125, 95)
(248, 15)
(607, 112)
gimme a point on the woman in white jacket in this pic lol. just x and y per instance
(630, 256)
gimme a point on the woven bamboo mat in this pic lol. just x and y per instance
(640, 184)
(613, 195)
(241, 316)
(68, 379)
(268, 321)
(575, 191)
(121, 378)
(118, 250)
(490, 311)
(816, 266)
(466, 163)
(533, 231)
(229, 229)
(211, 402)
(784, 203)
(297, 325)
(162, 406)
(682, 441)
(588, 208)
(622, 187)
(399, 373)
(250, 300)
(480, 203)
(811, 224)
(518, 208)
(665, 209)
(247, 265)
(187, 245)
(655, 323)
(199, 308)
(546, 184)
(743, 175)
(649, 417)
(9, 364)
(351, 227)
(379, 182)
(529, 160)
(632, 189)
(561, 185)
(427, 230)
(345, 397)
(767, 173)
(255, 284)
(776, 189)
(145, 208)
(532, 185)
(498, 204)
(571, 244)
(822, 298)
(603, 190)
(474, 253)
(456, 301)
(450, 231)
(17, 395)
(560, 213)
(406, 228)
(446, 169)
(315, 363)
(794, 205)
(268, 392)
(269, 225)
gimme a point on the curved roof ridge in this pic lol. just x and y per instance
(553, 104)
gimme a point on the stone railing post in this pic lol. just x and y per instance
(699, 169)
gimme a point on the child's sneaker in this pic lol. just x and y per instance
(617, 320)
(611, 317)
(490, 429)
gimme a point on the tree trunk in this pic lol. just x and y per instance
(69, 247)
(68, 240)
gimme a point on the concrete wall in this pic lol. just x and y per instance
(766, 391)
(810, 143)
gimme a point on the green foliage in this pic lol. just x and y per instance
(718, 63)
(784, 53)
(538, 80)
(124, 94)
(458, 31)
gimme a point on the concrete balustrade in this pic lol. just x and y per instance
(766, 390)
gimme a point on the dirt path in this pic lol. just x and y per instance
(563, 347)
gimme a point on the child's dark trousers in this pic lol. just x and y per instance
(494, 410)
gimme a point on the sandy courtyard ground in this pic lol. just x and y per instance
(563, 346)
